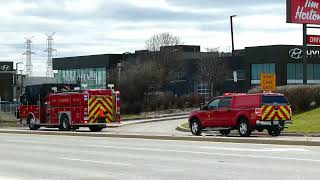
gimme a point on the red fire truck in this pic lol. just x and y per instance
(56, 106)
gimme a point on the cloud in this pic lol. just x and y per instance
(115, 26)
(224, 4)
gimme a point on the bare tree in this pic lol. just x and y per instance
(160, 40)
(212, 71)
(168, 58)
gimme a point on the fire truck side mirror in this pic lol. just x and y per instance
(54, 89)
(110, 86)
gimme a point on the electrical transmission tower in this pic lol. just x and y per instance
(50, 50)
(28, 54)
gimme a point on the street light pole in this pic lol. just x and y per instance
(232, 40)
(119, 73)
(16, 79)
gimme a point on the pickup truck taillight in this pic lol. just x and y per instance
(258, 111)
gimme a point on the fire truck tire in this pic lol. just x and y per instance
(95, 128)
(64, 123)
(32, 124)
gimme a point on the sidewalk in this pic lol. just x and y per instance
(235, 133)
(127, 122)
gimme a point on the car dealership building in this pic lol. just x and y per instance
(283, 60)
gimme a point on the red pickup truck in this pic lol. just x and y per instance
(244, 112)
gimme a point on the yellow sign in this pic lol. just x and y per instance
(268, 82)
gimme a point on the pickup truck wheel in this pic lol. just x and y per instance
(274, 132)
(95, 128)
(32, 124)
(225, 132)
(259, 129)
(64, 123)
(195, 127)
(244, 128)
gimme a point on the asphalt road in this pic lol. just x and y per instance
(60, 157)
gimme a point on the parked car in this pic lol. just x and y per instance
(244, 112)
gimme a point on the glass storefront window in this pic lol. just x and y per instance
(313, 73)
(91, 78)
(257, 69)
(294, 73)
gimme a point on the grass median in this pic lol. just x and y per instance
(307, 122)
(7, 120)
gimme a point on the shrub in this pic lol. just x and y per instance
(301, 97)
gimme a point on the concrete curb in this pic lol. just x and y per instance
(143, 121)
(176, 138)
(164, 116)
(182, 129)
(157, 120)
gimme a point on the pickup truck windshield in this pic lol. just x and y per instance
(274, 100)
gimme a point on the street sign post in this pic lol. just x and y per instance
(268, 82)
(235, 76)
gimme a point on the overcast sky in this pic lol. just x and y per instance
(116, 26)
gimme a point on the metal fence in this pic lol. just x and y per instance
(8, 107)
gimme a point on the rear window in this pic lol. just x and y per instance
(274, 100)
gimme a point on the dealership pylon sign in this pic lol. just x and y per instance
(303, 11)
(313, 39)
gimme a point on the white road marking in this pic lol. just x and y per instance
(258, 150)
(23, 141)
(98, 162)
(205, 153)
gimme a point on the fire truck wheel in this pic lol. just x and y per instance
(32, 124)
(64, 123)
(95, 128)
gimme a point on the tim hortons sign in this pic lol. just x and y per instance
(303, 11)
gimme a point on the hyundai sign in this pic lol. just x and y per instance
(297, 53)
(6, 66)
(303, 11)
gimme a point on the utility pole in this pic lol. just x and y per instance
(304, 57)
(28, 54)
(50, 50)
(231, 26)
(16, 79)
(21, 82)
